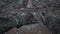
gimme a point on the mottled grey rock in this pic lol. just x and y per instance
(46, 3)
(53, 23)
(33, 29)
(19, 4)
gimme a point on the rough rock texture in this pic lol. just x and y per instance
(53, 26)
(10, 10)
(4, 4)
(12, 31)
(30, 29)
(53, 23)
(46, 3)
(33, 29)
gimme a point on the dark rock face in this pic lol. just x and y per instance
(8, 6)
(19, 4)
(53, 23)
(4, 20)
(46, 3)
(14, 20)
(6, 24)
(4, 4)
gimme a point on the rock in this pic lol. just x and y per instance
(12, 31)
(19, 4)
(46, 3)
(29, 29)
(33, 29)
(53, 23)
(40, 3)
(2, 3)
(6, 23)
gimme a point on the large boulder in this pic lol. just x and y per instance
(33, 29)
(30, 29)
